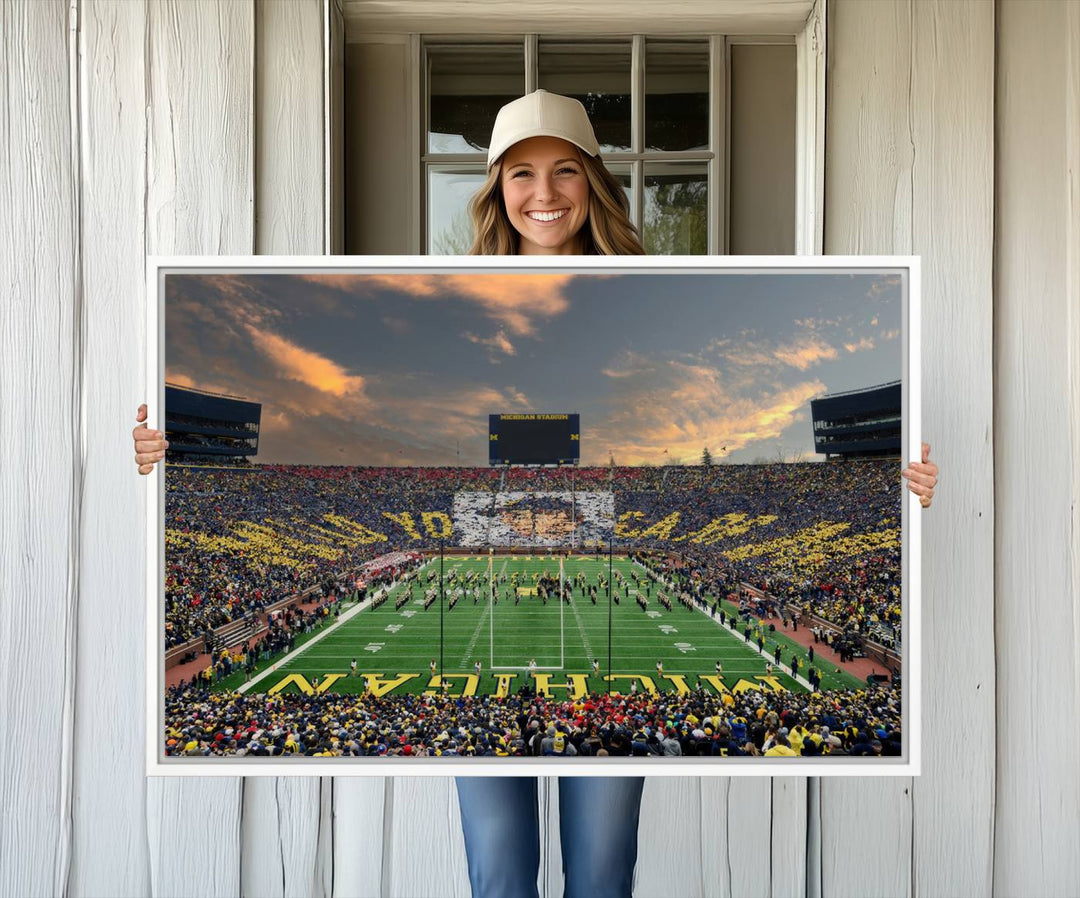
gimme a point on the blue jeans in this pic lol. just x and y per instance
(598, 823)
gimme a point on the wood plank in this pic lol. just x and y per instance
(868, 195)
(112, 859)
(359, 836)
(41, 441)
(424, 847)
(872, 855)
(868, 152)
(813, 837)
(281, 821)
(670, 838)
(910, 156)
(788, 843)
(280, 837)
(200, 189)
(952, 82)
(736, 836)
(1037, 446)
(551, 873)
(749, 836)
(715, 852)
(199, 200)
(669, 843)
(193, 828)
(334, 125)
(289, 127)
(324, 843)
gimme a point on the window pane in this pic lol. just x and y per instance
(597, 74)
(449, 192)
(676, 95)
(623, 174)
(676, 209)
(467, 85)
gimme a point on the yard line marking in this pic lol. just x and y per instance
(581, 630)
(475, 635)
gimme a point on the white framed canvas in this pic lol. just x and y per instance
(508, 516)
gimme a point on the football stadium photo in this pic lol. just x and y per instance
(521, 515)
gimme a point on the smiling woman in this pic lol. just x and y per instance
(546, 196)
(547, 190)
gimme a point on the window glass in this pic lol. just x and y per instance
(676, 208)
(467, 85)
(676, 95)
(624, 176)
(449, 191)
(597, 74)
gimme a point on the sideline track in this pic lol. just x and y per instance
(297, 652)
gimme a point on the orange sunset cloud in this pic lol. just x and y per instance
(515, 300)
(296, 363)
(697, 410)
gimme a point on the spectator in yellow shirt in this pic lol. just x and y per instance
(780, 748)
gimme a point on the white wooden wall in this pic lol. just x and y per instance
(909, 150)
(1037, 449)
(190, 126)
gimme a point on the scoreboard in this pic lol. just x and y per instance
(534, 439)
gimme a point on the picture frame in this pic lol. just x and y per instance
(505, 312)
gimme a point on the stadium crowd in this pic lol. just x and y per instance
(822, 536)
(755, 723)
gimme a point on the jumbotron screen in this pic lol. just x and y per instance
(534, 439)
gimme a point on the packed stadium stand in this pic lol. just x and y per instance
(828, 535)
(817, 540)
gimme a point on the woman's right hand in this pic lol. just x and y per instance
(150, 445)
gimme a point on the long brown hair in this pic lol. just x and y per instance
(607, 232)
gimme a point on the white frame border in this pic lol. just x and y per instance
(910, 764)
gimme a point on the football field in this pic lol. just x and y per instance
(500, 619)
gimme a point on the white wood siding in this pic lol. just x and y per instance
(109, 824)
(909, 150)
(953, 132)
(1037, 372)
(41, 437)
(200, 199)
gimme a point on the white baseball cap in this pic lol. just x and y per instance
(541, 114)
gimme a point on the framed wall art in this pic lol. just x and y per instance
(501, 516)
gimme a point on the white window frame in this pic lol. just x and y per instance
(809, 139)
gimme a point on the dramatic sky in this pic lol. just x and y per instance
(404, 369)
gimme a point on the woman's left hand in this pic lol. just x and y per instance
(922, 477)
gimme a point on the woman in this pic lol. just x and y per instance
(547, 193)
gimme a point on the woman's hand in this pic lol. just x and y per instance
(150, 445)
(922, 477)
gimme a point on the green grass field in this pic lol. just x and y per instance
(562, 638)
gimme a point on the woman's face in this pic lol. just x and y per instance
(546, 195)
